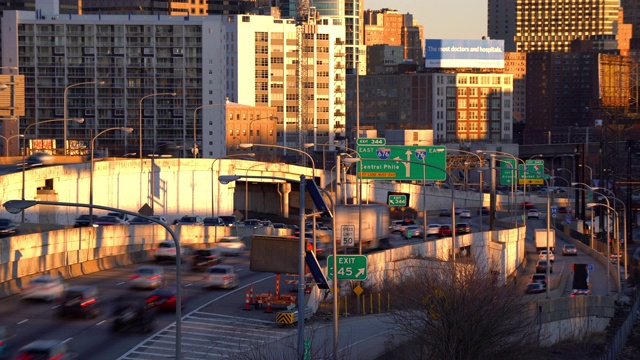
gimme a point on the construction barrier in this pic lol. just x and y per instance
(247, 300)
(291, 316)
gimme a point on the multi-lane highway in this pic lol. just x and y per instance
(215, 321)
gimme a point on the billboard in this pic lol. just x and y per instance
(444, 53)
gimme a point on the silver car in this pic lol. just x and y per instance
(223, 276)
(147, 277)
(45, 287)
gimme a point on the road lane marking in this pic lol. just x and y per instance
(23, 321)
(120, 283)
(101, 322)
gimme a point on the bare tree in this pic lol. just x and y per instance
(461, 314)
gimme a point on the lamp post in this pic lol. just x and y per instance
(16, 206)
(140, 114)
(6, 142)
(225, 179)
(313, 167)
(517, 162)
(590, 172)
(24, 147)
(609, 209)
(93, 140)
(64, 107)
(195, 143)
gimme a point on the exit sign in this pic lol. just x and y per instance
(349, 267)
(397, 200)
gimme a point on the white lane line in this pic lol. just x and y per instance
(101, 322)
(23, 321)
(120, 283)
(69, 339)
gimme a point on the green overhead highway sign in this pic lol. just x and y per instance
(400, 162)
(372, 141)
(398, 200)
(350, 267)
(507, 171)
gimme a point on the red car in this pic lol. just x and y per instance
(165, 299)
(527, 205)
(445, 230)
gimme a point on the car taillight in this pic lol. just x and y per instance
(87, 303)
(154, 277)
(227, 277)
(152, 299)
(171, 299)
(134, 277)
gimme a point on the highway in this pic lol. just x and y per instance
(214, 322)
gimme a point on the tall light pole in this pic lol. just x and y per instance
(64, 107)
(226, 179)
(93, 140)
(195, 143)
(140, 114)
(24, 147)
(16, 206)
(590, 172)
(609, 209)
(6, 142)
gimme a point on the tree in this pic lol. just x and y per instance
(462, 314)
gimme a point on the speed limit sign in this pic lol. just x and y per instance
(348, 235)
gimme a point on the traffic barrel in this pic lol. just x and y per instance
(268, 310)
(247, 301)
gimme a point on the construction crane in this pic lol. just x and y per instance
(305, 34)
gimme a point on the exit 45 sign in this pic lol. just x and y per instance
(349, 267)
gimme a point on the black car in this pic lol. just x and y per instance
(445, 213)
(213, 221)
(132, 312)
(229, 220)
(462, 228)
(83, 220)
(8, 227)
(204, 258)
(80, 301)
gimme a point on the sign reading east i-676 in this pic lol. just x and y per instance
(399, 162)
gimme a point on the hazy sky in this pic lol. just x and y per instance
(442, 19)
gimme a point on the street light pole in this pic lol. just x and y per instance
(93, 140)
(152, 186)
(16, 206)
(140, 114)
(24, 148)
(270, 117)
(64, 108)
(6, 142)
(195, 143)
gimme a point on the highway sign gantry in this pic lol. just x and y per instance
(399, 162)
(350, 267)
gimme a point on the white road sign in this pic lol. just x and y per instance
(348, 235)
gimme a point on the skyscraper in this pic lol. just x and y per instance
(533, 25)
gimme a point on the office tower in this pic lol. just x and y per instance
(533, 25)
(142, 7)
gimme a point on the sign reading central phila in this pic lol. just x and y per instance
(399, 162)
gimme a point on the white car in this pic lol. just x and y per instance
(147, 277)
(166, 250)
(45, 287)
(543, 255)
(533, 213)
(231, 246)
(465, 214)
(223, 276)
(433, 229)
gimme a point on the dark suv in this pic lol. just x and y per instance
(132, 312)
(204, 258)
(80, 301)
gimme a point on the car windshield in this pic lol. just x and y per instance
(145, 271)
(188, 219)
(166, 245)
(215, 270)
(42, 280)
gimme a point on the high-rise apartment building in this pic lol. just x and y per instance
(253, 60)
(533, 25)
(145, 7)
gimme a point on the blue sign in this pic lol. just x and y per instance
(420, 154)
(383, 153)
(590, 267)
(446, 53)
(554, 210)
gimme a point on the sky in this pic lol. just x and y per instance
(442, 19)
